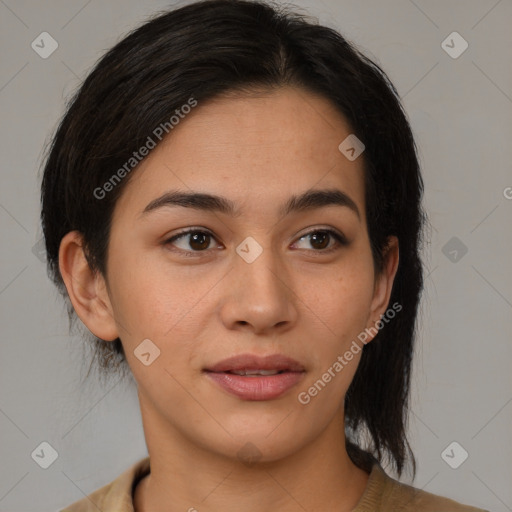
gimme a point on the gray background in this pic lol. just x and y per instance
(460, 110)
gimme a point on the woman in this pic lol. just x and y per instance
(232, 206)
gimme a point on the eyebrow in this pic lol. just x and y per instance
(309, 200)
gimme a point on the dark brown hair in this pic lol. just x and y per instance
(207, 49)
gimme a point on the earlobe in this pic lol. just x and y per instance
(384, 282)
(86, 289)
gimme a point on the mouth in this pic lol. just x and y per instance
(250, 377)
(252, 373)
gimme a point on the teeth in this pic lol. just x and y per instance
(256, 372)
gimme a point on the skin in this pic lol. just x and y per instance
(256, 150)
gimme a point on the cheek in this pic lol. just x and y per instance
(342, 297)
(340, 309)
(144, 295)
(340, 304)
(155, 299)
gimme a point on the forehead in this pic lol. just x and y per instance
(262, 146)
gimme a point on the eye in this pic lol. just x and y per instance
(192, 240)
(195, 240)
(320, 238)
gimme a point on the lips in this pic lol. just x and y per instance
(252, 377)
(248, 362)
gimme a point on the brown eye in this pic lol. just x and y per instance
(320, 240)
(198, 241)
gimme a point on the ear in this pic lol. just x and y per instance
(383, 284)
(87, 290)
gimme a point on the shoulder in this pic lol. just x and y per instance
(117, 495)
(385, 494)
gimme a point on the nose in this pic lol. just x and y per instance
(259, 295)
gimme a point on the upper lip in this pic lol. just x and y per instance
(252, 362)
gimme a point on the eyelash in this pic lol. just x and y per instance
(341, 241)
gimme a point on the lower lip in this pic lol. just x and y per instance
(256, 388)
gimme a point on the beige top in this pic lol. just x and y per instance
(382, 494)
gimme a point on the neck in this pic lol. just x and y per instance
(185, 477)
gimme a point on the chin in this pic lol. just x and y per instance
(252, 445)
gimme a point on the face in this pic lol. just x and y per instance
(257, 288)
